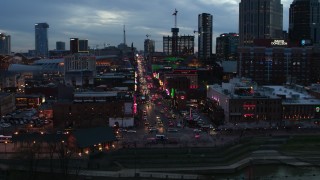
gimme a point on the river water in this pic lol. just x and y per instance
(273, 172)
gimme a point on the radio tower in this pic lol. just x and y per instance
(175, 32)
(124, 35)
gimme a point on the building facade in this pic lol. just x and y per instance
(79, 69)
(149, 46)
(242, 103)
(41, 39)
(7, 103)
(279, 65)
(262, 19)
(227, 46)
(92, 109)
(185, 45)
(205, 37)
(5, 44)
(304, 22)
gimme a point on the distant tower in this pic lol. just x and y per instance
(5, 44)
(78, 46)
(304, 21)
(205, 37)
(74, 45)
(60, 46)
(41, 39)
(261, 19)
(149, 46)
(175, 32)
(124, 35)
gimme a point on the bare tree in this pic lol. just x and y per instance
(66, 151)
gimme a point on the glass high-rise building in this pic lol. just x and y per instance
(41, 39)
(260, 19)
(304, 22)
(5, 44)
(205, 37)
(60, 46)
(227, 46)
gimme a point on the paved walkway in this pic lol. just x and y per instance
(172, 173)
(261, 157)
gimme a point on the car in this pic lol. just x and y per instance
(122, 130)
(146, 123)
(197, 135)
(151, 130)
(131, 131)
(172, 130)
(197, 130)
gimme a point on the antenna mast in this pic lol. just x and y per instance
(124, 34)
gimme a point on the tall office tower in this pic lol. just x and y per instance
(60, 46)
(205, 37)
(227, 46)
(5, 44)
(304, 22)
(74, 45)
(41, 39)
(78, 46)
(83, 46)
(260, 19)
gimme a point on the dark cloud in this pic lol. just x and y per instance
(101, 21)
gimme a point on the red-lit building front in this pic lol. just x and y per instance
(241, 103)
(181, 80)
(29, 101)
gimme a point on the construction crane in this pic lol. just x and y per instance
(175, 17)
(148, 36)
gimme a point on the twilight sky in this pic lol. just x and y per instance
(101, 21)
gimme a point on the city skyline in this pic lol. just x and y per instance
(102, 22)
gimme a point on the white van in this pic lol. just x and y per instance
(160, 137)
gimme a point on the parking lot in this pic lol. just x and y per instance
(23, 121)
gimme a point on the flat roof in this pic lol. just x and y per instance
(294, 96)
(96, 94)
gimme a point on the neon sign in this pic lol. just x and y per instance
(279, 43)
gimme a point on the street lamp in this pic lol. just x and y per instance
(5, 148)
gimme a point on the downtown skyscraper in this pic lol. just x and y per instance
(205, 37)
(227, 46)
(304, 22)
(41, 39)
(5, 44)
(260, 19)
